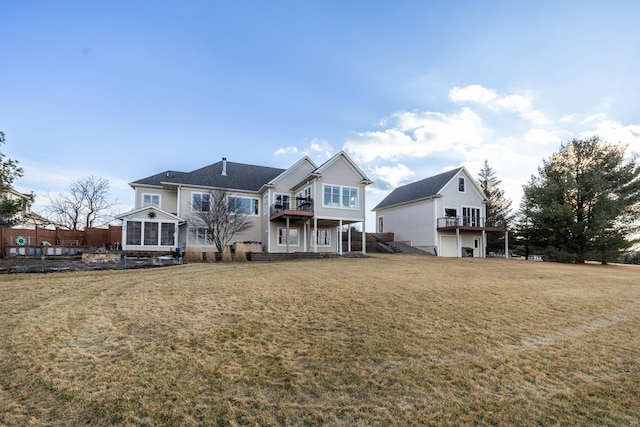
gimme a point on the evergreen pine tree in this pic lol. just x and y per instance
(584, 203)
(9, 171)
(498, 206)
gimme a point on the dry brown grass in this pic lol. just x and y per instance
(387, 340)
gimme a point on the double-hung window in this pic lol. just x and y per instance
(243, 205)
(167, 234)
(200, 202)
(151, 233)
(323, 237)
(336, 196)
(461, 184)
(293, 239)
(198, 236)
(134, 232)
(151, 200)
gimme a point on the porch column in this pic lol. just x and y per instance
(364, 239)
(506, 244)
(349, 239)
(315, 233)
(268, 228)
(287, 237)
(340, 238)
(304, 236)
(458, 245)
(483, 248)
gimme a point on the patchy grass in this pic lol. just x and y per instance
(387, 340)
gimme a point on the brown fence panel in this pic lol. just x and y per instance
(115, 236)
(91, 237)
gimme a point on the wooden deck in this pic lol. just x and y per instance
(291, 214)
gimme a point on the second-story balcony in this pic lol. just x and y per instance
(469, 223)
(295, 208)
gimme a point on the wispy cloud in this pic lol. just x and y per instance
(512, 103)
(417, 135)
(286, 150)
(410, 145)
(317, 149)
(390, 177)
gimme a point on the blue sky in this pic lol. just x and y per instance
(126, 89)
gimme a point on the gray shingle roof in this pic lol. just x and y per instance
(417, 190)
(239, 176)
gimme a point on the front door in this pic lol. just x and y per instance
(476, 246)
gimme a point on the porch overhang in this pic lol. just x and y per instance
(471, 228)
(292, 214)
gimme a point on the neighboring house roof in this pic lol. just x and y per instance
(149, 209)
(239, 176)
(13, 194)
(423, 189)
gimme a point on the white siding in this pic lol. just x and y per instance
(341, 174)
(413, 223)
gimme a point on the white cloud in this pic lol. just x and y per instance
(286, 150)
(391, 176)
(412, 145)
(543, 137)
(518, 104)
(416, 135)
(318, 149)
(615, 132)
(595, 118)
(472, 93)
(567, 118)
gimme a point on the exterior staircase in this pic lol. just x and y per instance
(384, 244)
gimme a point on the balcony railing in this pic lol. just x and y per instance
(469, 221)
(302, 204)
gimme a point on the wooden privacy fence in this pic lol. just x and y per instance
(42, 241)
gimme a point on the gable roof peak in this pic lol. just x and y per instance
(418, 190)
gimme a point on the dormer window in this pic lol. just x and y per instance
(461, 184)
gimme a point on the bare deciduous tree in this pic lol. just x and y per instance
(85, 204)
(222, 215)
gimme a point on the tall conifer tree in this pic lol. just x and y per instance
(498, 206)
(9, 172)
(584, 203)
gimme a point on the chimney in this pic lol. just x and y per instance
(224, 166)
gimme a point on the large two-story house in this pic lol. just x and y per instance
(444, 214)
(304, 208)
